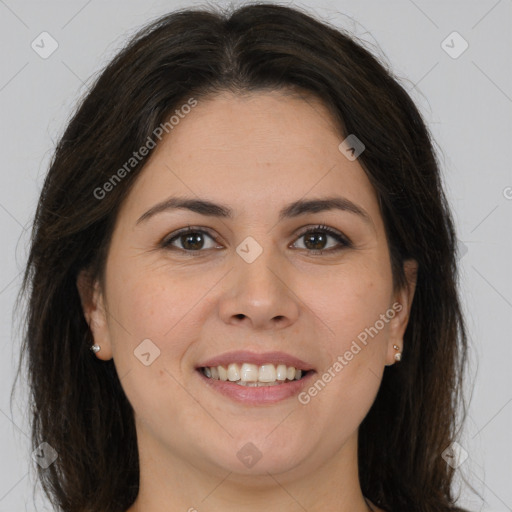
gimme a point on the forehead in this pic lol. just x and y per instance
(253, 151)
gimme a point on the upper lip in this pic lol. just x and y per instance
(243, 356)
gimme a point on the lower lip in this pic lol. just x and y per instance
(257, 395)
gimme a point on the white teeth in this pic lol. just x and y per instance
(267, 373)
(255, 384)
(281, 372)
(223, 373)
(247, 374)
(233, 373)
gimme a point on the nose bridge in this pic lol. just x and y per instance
(259, 277)
(259, 292)
(257, 271)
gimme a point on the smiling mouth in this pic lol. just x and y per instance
(251, 375)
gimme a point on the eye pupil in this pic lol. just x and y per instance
(192, 241)
(196, 241)
(320, 238)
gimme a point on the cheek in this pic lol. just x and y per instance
(160, 305)
(150, 302)
(148, 307)
(349, 303)
(351, 306)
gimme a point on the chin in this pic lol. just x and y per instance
(259, 458)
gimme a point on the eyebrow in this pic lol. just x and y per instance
(292, 210)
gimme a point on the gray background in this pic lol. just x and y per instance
(466, 101)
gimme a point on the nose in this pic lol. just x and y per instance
(259, 294)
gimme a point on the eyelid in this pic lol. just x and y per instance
(165, 242)
(343, 241)
(328, 230)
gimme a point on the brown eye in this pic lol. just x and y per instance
(194, 240)
(190, 240)
(316, 239)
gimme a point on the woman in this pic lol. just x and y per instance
(242, 280)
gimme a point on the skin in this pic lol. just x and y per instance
(254, 153)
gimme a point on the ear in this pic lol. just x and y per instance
(402, 306)
(95, 313)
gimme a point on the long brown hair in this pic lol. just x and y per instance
(78, 405)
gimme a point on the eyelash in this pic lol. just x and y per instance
(345, 242)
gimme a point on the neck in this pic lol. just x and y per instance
(169, 483)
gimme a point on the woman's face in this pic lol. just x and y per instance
(254, 281)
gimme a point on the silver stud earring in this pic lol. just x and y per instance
(398, 355)
(95, 348)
